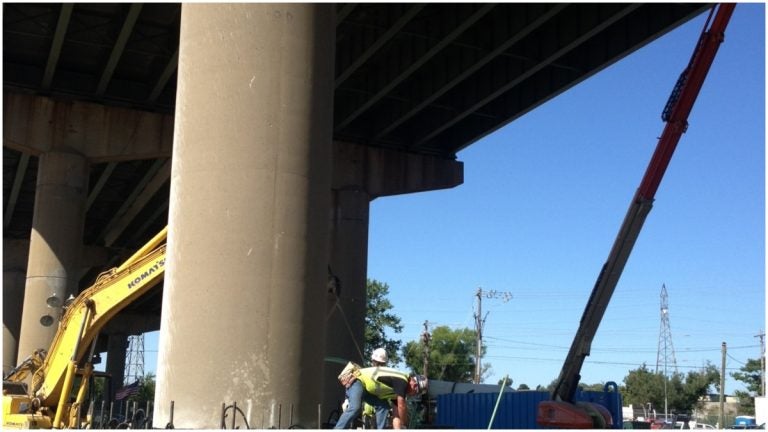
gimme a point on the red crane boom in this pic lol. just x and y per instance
(562, 411)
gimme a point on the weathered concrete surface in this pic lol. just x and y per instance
(384, 172)
(243, 308)
(37, 124)
(14, 277)
(360, 174)
(345, 310)
(15, 258)
(55, 246)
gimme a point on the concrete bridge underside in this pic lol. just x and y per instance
(259, 133)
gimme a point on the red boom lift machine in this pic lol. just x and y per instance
(563, 411)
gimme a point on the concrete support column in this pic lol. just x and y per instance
(14, 277)
(9, 350)
(117, 345)
(55, 246)
(243, 316)
(13, 299)
(345, 310)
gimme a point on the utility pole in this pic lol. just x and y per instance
(426, 338)
(721, 424)
(480, 322)
(762, 361)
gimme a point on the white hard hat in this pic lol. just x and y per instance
(379, 355)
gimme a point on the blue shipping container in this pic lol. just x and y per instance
(517, 409)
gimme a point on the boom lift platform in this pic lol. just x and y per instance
(562, 411)
(49, 401)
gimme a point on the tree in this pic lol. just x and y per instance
(451, 355)
(592, 387)
(146, 390)
(683, 392)
(379, 319)
(506, 383)
(642, 386)
(697, 384)
(751, 375)
(145, 394)
(583, 386)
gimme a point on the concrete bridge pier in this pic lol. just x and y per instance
(55, 246)
(243, 318)
(345, 310)
(361, 174)
(117, 345)
(14, 277)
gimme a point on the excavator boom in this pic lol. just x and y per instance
(48, 401)
(561, 411)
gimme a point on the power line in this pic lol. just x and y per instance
(735, 359)
(595, 362)
(614, 349)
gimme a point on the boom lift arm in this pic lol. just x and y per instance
(47, 403)
(561, 411)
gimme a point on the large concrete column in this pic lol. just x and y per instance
(13, 299)
(14, 276)
(346, 305)
(361, 174)
(244, 299)
(55, 246)
(117, 345)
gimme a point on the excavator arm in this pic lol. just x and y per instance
(73, 345)
(562, 411)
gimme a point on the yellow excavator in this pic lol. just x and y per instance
(60, 376)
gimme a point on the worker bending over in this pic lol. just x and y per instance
(377, 386)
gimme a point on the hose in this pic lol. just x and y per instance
(496, 407)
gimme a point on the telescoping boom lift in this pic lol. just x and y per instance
(56, 396)
(562, 411)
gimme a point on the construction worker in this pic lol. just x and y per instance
(378, 386)
(379, 357)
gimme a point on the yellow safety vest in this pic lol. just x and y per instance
(369, 377)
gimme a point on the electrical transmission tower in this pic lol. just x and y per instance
(480, 322)
(665, 356)
(134, 360)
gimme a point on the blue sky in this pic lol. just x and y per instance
(542, 202)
